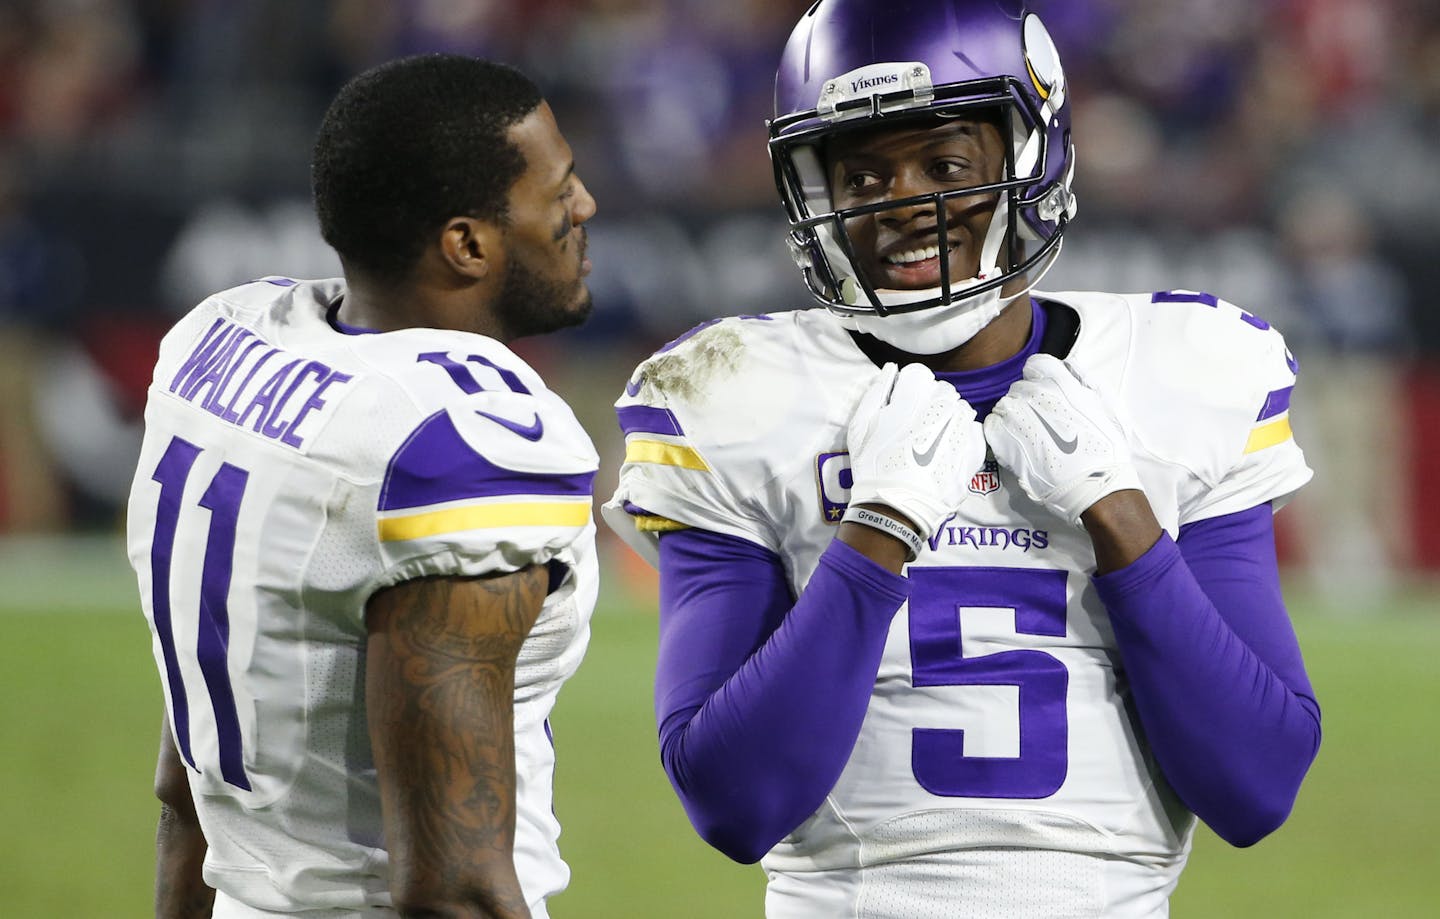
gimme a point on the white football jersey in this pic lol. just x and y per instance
(1000, 770)
(289, 471)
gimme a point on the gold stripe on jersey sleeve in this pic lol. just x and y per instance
(483, 517)
(647, 523)
(1269, 434)
(663, 454)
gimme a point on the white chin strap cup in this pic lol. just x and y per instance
(934, 330)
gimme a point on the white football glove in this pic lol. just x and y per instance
(1060, 440)
(914, 445)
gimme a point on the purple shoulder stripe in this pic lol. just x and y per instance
(435, 465)
(1275, 403)
(645, 419)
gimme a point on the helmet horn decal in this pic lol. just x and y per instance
(1042, 63)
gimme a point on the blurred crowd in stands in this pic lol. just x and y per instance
(1279, 153)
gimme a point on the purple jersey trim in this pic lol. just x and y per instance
(1275, 403)
(646, 419)
(1173, 296)
(332, 316)
(983, 388)
(1216, 673)
(1210, 300)
(436, 465)
(758, 697)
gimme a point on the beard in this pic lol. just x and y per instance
(530, 304)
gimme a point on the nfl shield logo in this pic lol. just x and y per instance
(987, 479)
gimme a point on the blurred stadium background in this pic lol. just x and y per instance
(1278, 153)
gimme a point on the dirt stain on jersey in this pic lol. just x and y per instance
(691, 369)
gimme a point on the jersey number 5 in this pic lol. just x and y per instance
(941, 602)
(222, 499)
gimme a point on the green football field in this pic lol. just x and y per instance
(80, 709)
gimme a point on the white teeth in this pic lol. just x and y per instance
(912, 255)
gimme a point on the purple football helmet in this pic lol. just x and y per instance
(861, 63)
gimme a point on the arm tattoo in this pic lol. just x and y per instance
(440, 692)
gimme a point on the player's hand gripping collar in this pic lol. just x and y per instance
(914, 445)
(1060, 440)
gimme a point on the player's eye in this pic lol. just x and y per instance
(861, 182)
(950, 170)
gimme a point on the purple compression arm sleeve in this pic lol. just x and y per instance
(1216, 672)
(759, 701)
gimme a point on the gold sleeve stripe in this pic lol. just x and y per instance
(663, 454)
(647, 524)
(1269, 434)
(485, 517)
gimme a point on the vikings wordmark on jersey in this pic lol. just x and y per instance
(363, 460)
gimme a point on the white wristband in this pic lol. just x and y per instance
(884, 524)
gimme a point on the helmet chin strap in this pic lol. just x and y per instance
(939, 328)
(935, 330)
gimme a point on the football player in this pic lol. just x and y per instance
(968, 592)
(362, 527)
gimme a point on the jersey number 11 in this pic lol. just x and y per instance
(222, 499)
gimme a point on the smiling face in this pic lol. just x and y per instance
(545, 239)
(898, 248)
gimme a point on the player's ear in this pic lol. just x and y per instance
(471, 247)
